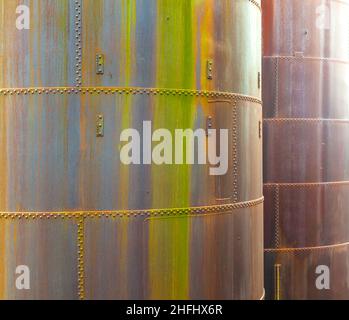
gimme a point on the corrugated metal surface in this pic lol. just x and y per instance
(306, 159)
(139, 231)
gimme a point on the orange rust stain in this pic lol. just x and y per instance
(206, 15)
(268, 26)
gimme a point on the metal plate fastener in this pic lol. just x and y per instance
(100, 126)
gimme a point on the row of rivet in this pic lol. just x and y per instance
(133, 213)
(78, 43)
(306, 185)
(235, 163)
(300, 58)
(81, 268)
(305, 249)
(133, 91)
(309, 120)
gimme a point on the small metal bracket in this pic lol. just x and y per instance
(100, 126)
(100, 64)
(209, 70)
(209, 124)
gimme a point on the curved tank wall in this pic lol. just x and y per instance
(306, 155)
(90, 227)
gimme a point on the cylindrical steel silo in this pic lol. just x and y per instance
(306, 154)
(88, 226)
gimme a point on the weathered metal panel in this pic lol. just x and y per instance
(307, 94)
(304, 223)
(306, 173)
(49, 248)
(297, 276)
(72, 177)
(166, 44)
(318, 28)
(55, 161)
(292, 158)
(44, 55)
(147, 258)
(41, 145)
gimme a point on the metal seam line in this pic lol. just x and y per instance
(126, 90)
(81, 268)
(78, 42)
(133, 213)
(309, 184)
(276, 250)
(78, 58)
(80, 222)
(300, 58)
(235, 151)
(319, 120)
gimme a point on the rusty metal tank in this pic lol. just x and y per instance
(306, 154)
(90, 227)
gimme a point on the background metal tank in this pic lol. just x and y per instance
(306, 155)
(89, 227)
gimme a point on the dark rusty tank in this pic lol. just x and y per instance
(306, 155)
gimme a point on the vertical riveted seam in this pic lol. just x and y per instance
(81, 268)
(234, 149)
(78, 42)
(277, 216)
(81, 220)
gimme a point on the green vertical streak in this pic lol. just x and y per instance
(128, 23)
(175, 69)
(127, 51)
(127, 45)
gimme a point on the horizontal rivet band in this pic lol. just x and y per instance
(128, 91)
(306, 185)
(306, 249)
(216, 209)
(306, 120)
